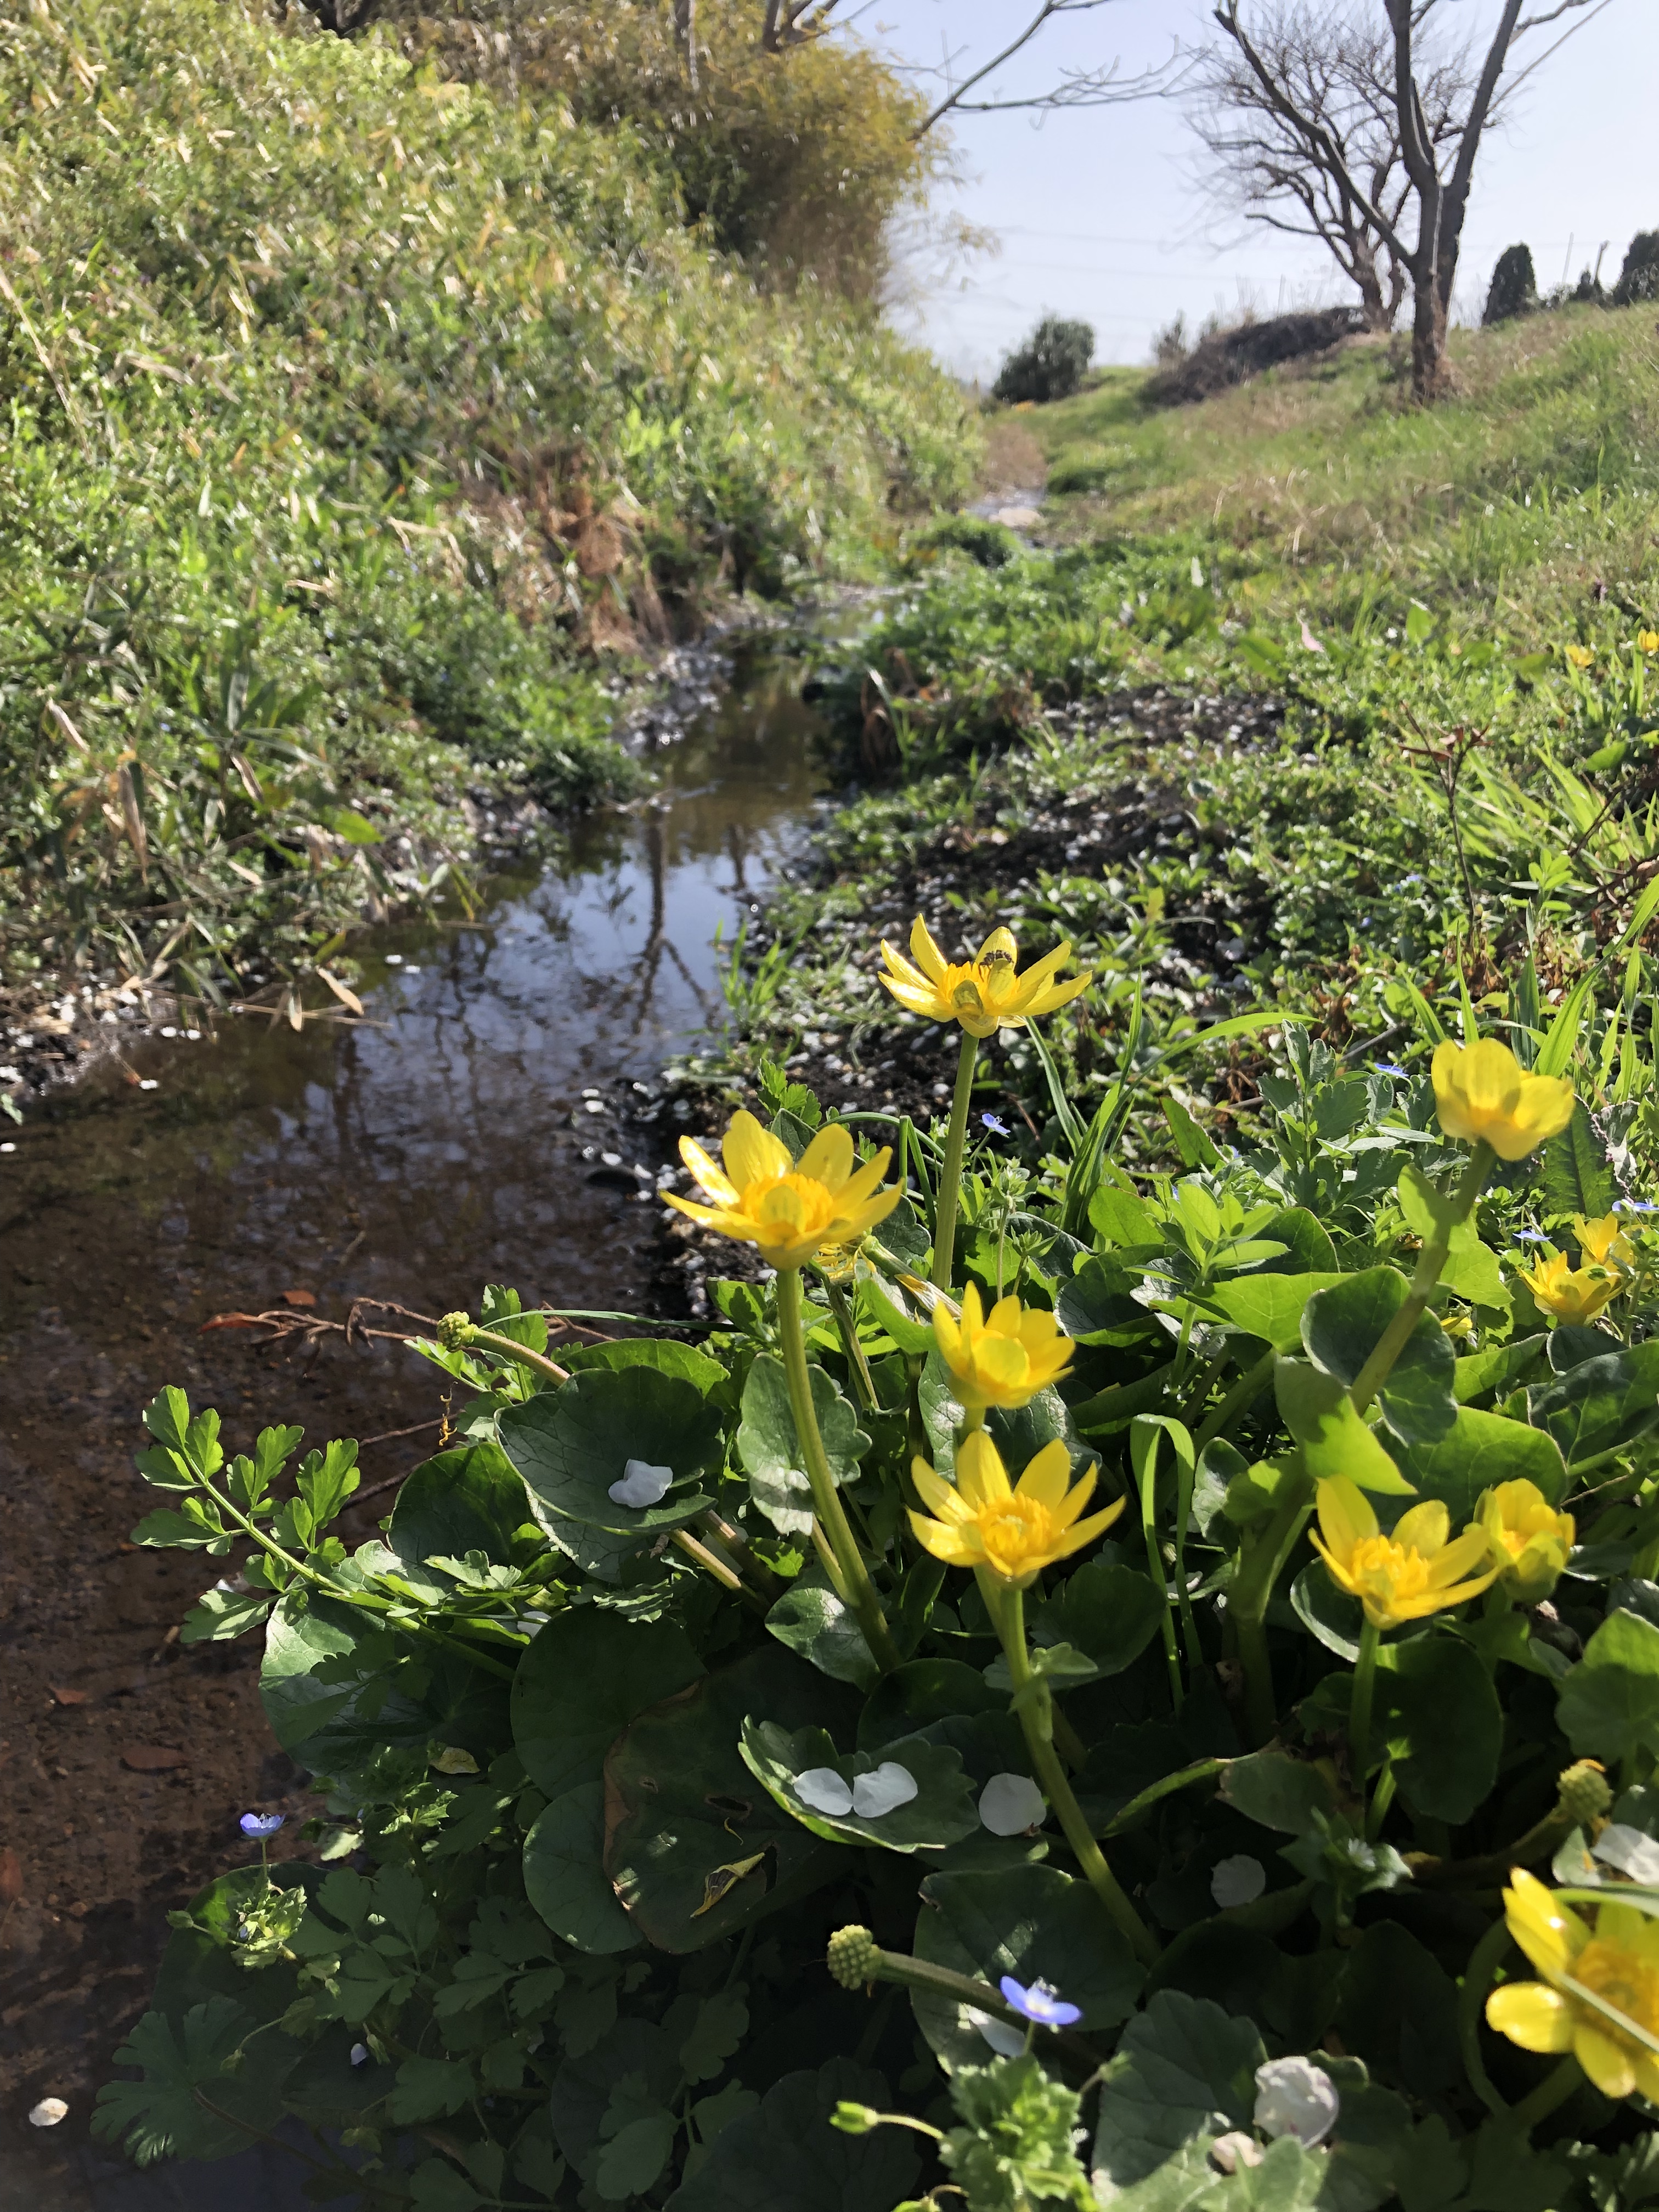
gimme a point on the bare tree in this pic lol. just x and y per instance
(1333, 61)
(1439, 170)
(795, 22)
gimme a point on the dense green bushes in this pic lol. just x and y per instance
(342, 406)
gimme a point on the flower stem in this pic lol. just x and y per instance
(950, 1173)
(826, 1499)
(1556, 2086)
(1430, 1262)
(1360, 1710)
(1006, 1607)
(878, 1965)
(1261, 1566)
(1484, 1962)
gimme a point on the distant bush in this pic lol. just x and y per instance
(1223, 358)
(1050, 365)
(1639, 277)
(1514, 288)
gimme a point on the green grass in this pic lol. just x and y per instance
(348, 413)
(1389, 584)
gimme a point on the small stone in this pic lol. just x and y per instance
(48, 2112)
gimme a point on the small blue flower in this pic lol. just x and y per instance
(1387, 1067)
(1408, 883)
(1041, 2002)
(1634, 1205)
(997, 1128)
(261, 1825)
(1530, 1237)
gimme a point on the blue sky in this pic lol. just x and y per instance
(1096, 214)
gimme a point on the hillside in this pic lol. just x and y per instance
(1309, 701)
(349, 412)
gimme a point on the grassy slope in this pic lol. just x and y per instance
(344, 412)
(1453, 569)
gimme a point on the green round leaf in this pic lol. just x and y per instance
(1034, 1922)
(770, 1450)
(683, 1810)
(587, 1674)
(571, 1444)
(940, 1812)
(812, 1620)
(1109, 1612)
(470, 1499)
(786, 2154)
(1479, 1450)
(1445, 1727)
(1609, 1703)
(564, 1876)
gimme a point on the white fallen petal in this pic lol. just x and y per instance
(823, 1790)
(48, 2112)
(1229, 2152)
(1009, 1804)
(641, 1485)
(360, 2054)
(1238, 1880)
(1296, 2098)
(1004, 2038)
(883, 1791)
(1627, 1848)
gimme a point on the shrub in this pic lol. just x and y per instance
(1050, 365)
(991, 544)
(1171, 345)
(1514, 288)
(796, 162)
(1639, 277)
(1223, 358)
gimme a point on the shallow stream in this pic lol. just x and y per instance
(473, 1128)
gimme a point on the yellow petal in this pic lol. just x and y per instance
(1465, 1554)
(1048, 1476)
(1001, 945)
(939, 1496)
(1346, 1515)
(1530, 2013)
(849, 1226)
(828, 1159)
(981, 1476)
(712, 1177)
(928, 956)
(1085, 1532)
(707, 1215)
(753, 1154)
(946, 1544)
(1425, 1529)
(1338, 1574)
(973, 1314)
(1550, 1933)
(1608, 2064)
(865, 1181)
(1079, 1496)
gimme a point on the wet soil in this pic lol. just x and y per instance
(486, 1122)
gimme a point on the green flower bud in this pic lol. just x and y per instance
(851, 1956)
(454, 1331)
(1585, 1794)
(855, 2119)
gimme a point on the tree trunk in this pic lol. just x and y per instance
(1430, 372)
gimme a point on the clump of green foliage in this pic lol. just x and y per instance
(1050, 364)
(347, 410)
(1514, 288)
(798, 163)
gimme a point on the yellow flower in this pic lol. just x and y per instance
(1484, 1094)
(1616, 1961)
(1013, 1532)
(1580, 655)
(1403, 1576)
(762, 1198)
(1572, 1296)
(1005, 1360)
(984, 994)
(1648, 640)
(1528, 1539)
(1603, 1241)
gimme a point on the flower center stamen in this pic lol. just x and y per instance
(1388, 1568)
(1013, 1530)
(1624, 1981)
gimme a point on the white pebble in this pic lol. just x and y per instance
(149, 1082)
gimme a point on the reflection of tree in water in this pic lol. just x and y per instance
(658, 941)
